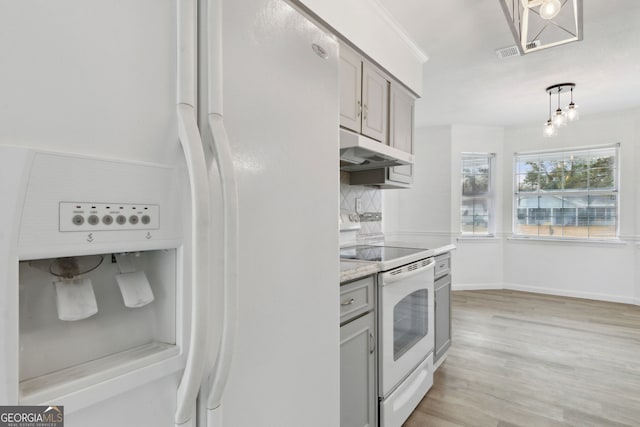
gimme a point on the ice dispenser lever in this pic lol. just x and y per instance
(75, 299)
(134, 286)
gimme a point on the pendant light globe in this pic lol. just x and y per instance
(549, 130)
(549, 9)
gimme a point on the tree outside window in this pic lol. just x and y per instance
(567, 194)
(476, 206)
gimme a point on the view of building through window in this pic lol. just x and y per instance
(476, 206)
(570, 194)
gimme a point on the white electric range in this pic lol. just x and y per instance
(405, 312)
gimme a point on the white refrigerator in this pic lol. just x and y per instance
(269, 105)
(99, 105)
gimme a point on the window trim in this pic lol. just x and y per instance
(490, 196)
(586, 192)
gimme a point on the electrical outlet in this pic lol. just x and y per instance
(358, 205)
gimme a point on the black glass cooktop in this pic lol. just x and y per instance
(376, 253)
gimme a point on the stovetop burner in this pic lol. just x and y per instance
(379, 253)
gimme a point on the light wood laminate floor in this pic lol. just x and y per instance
(523, 359)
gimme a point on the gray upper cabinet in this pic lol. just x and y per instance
(350, 90)
(401, 125)
(375, 105)
(364, 96)
(375, 101)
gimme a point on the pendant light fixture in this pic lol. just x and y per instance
(559, 118)
(541, 24)
(549, 129)
(572, 109)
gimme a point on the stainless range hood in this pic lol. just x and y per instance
(363, 153)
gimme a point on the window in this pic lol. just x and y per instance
(476, 203)
(567, 194)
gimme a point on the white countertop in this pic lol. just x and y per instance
(355, 269)
(432, 251)
(352, 270)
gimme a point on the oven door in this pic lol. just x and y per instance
(406, 321)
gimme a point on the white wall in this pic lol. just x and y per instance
(424, 207)
(608, 271)
(428, 213)
(481, 257)
(590, 270)
(637, 185)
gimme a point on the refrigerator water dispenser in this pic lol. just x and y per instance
(86, 316)
(97, 287)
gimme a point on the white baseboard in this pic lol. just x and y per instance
(546, 291)
(476, 286)
(572, 293)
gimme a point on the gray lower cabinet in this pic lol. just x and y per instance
(358, 397)
(442, 316)
(442, 288)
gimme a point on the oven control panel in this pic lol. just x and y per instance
(90, 216)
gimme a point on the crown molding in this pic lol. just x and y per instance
(400, 31)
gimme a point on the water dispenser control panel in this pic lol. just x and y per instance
(88, 216)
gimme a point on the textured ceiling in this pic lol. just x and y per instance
(466, 83)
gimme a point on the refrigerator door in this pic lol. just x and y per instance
(280, 111)
(92, 78)
(99, 80)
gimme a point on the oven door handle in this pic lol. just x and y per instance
(404, 273)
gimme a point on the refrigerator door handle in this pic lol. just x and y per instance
(197, 353)
(230, 270)
(200, 218)
(229, 187)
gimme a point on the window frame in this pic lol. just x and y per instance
(489, 196)
(557, 155)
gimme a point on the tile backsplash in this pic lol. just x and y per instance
(371, 199)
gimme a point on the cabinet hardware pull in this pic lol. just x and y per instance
(351, 301)
(372, 343)
(365, 112)
(359, 109)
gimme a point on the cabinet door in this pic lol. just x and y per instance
(443, 315)
(350, 89)
(358, 398)
(401, 130)
(375, 104)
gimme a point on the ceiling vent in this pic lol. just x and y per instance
(506, 52)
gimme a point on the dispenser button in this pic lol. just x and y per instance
(78, 220)
(146, 219)
(121, 219)
(93, 219)
(133, 219)
(107, 219)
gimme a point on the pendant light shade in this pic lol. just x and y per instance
(572, 110)
(549, 9)
(560, 118)
(549, 129)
